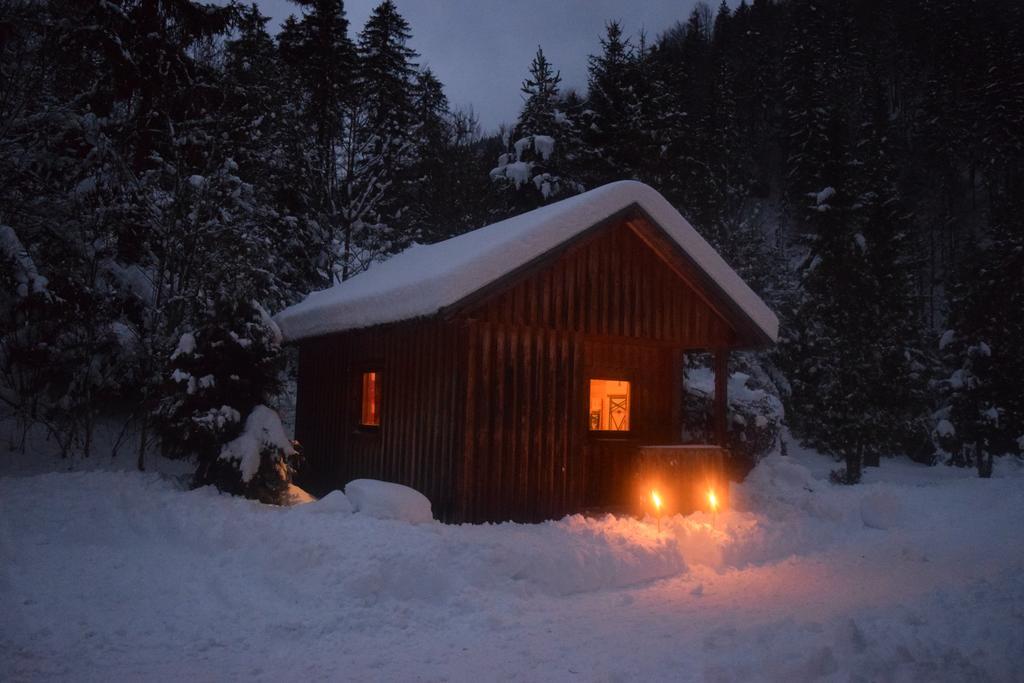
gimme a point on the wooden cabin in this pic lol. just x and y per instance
(525, 370)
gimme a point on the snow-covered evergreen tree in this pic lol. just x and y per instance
(320, 79)
(222, 375)
(384, 140)
(541, 90)
(983, 350)
(857, 367)
(447, 189)
(609, 122)
(534, 168)
(265, 137)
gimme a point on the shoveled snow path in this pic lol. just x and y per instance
(110, 576)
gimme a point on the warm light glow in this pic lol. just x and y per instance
(713, 500)
(609, 405)
(656, 499)
(370, 413)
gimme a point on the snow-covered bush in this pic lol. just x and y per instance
(754, 418)
(258, 463)
(214, 409)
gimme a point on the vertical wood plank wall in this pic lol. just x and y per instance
(422, 409)
(522, 452)
(611, 285)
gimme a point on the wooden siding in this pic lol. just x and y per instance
(612, 284)
(422, 407)
(528, 453)
(525, 411)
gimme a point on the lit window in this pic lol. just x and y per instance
(370, 414)
(609, 405)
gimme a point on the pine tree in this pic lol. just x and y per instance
(430, 190)
(898, 392)
(533, 168)
(541, 110)
(264, 134)
(858, 369)
(811, 88)
(609, 130)
(984, 354)
(214, 405)
(377, 204)
(320, 79)
(468, 158)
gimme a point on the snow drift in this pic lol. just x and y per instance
(114, 576)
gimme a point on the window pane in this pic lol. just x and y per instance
(609, 405)
(370, 416)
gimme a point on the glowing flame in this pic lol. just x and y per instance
(712, 499)
(656, 499)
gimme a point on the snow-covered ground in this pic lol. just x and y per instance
(916, 575)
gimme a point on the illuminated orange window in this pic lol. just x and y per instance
(370, 414)
(609, 405)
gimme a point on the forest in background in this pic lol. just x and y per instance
(171, 174)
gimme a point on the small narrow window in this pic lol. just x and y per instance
(609, 405)
(370, 413)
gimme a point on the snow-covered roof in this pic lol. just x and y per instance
(424, 279)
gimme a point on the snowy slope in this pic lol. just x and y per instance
(124, 576)
(425, 278)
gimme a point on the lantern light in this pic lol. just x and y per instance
(656, 499)
(713, 502)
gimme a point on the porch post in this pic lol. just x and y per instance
(721, 395)
(675, 432)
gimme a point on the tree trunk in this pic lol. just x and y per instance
(872, 459)
(853, 464)
(985, 462)
(143, 434)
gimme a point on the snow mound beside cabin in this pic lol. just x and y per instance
(334, 503)
(384, 500)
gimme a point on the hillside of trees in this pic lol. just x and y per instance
(172, 173)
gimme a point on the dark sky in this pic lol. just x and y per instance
(481, 49)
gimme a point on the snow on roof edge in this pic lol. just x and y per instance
(424, 279)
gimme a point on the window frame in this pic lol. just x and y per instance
(617, 375)
(360, 373)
